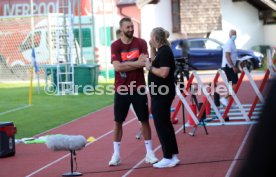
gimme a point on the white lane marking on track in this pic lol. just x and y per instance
(139, 163)
(61, 158)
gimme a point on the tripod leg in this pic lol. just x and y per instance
(204, 125)
(183, 116)
(192, 133)
(201, 120)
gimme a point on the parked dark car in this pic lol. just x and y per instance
(206, 54)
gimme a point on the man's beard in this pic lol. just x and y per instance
(129, 34)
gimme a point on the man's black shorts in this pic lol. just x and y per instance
(122, 103)
(230, 74)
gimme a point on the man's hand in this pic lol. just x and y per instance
(142, 58)
(228, 57)
(141, 62)
(129, 66)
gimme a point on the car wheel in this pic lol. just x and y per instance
(247, 63)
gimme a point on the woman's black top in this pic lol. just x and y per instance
(162, 86)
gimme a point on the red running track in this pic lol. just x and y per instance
(218, 154)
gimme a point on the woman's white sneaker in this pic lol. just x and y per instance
(175, 160)
(165, 163)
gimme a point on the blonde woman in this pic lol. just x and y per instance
(162, 91)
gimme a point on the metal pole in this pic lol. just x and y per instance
(93, 34)
(50, 44)
(65, 38)
(105, 44)
(80, 32)
(32, 26)
(32, 21)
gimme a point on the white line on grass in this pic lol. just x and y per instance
(228, 174)
(15, 109)
(139, 163)
(61, 158)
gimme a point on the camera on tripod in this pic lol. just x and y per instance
(182, 63)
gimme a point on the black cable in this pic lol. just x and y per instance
(181, 164)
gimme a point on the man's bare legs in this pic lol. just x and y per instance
(118, 132)
(117, 137)
(146, 130)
